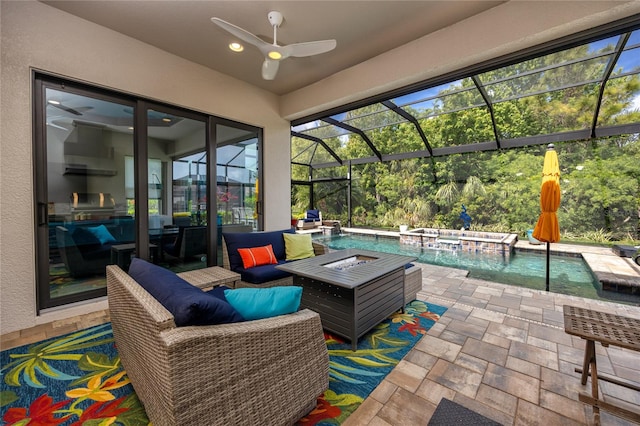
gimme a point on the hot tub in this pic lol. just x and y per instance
(463, 240)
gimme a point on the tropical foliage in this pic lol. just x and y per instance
(600, 177)
(76, 379)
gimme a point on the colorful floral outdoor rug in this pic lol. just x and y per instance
(77, 379)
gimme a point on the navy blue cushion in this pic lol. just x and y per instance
(188, 304)
(83, 237)
(218, 292)
(313, 214)
(409, 265)
(262, 274)
(236, 240)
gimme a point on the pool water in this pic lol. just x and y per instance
(568, 275)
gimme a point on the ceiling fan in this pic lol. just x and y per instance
(74, 111)
(273, 53)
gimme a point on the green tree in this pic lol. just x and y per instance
(600, 178)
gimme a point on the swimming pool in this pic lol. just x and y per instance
(568, 275)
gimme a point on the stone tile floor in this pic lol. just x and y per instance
(52, 329)
(499, 350)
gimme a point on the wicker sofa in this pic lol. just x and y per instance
(254, 239)
(83, 256)
(412, 274)
(267, 371)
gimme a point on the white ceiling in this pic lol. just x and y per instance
(363, 30)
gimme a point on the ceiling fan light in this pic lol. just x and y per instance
(274, 54)
(236, 47)
(166, 119)
(53, 102)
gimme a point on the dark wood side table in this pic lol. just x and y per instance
(121, 254)
(608, 329)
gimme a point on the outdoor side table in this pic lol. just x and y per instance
(211, 277)
(608, 329)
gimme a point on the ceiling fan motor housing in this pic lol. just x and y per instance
(275, 18)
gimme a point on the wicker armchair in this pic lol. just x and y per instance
(266, 371)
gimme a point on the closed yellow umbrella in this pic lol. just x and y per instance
(547, 229)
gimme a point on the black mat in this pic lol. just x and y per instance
(450, 413)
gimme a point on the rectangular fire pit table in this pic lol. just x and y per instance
(353, 290)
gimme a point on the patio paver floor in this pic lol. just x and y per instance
(502, 351)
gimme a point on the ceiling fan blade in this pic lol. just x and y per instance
(270, 69)
(243, 35)
(309, 48)
(65, 108)
(57, 126)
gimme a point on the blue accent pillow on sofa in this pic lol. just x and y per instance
(102, 234)
(236, 240)
(258, 303)
(83, 237)
(188, 304)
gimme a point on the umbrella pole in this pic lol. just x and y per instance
(548, 250)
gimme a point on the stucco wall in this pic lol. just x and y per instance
(37, 36)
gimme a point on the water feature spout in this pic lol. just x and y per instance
(449, 244)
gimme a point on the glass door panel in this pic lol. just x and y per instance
(237, 180)
(87, 213)
(177, 172)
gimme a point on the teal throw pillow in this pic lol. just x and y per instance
(102, 234)
(258, 303)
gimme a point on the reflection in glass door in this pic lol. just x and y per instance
(237, 180)
(118, 177)
(177, 189)
(87, 216)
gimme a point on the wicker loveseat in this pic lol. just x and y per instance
(267, 371)
(271, 276)
(82, 253)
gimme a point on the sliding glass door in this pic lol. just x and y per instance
(119, 177)
(82, 205)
